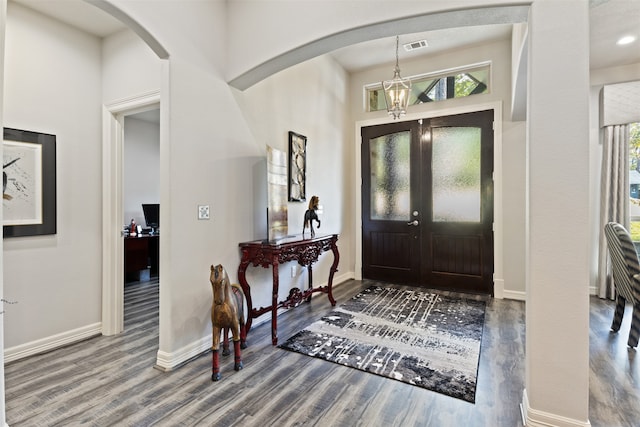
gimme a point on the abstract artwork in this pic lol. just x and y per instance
(297, 167)
(29, 183)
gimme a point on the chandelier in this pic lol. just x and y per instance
(396, 91)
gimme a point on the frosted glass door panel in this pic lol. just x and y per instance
(390, 176)
(456, 174)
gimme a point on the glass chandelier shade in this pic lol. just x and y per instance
(396, 91)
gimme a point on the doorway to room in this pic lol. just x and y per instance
(141, 208)
(141, 195)
(427, 202)
(113, 200)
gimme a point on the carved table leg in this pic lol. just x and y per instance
(242, 278)
(334, 268)
(274, 304)
(310, 270)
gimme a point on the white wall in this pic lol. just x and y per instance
(52, 85)
(141, 167)
(129, 67)
(210, 140)
(210, 148)
(557, 362)
(309, 99)
(64, 98)
(3, 21)
(292, 24)
(216, 137)
(545, 274)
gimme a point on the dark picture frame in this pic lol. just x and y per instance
(29, 183)
(297, 170)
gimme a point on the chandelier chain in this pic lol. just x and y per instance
(397, 43)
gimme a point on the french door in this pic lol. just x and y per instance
(427, 202)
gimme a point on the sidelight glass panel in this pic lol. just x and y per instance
(389, 157)
(456, 174)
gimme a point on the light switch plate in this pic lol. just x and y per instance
(203, 211)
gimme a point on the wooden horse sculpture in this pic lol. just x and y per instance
(310, 215)
(227, 313)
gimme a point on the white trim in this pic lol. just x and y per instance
(498, 288)
(166, 361)
(113, 216)
(537, 418)
(496, 106)
(515, 295)
(136, 103)
(50, 343)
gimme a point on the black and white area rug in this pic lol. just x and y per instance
(421, 338)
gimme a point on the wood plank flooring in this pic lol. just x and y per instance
(109, 381)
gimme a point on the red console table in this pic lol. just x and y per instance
(304, 250)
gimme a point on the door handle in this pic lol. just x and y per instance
(415, 223)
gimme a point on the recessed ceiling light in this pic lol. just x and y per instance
(626, 40)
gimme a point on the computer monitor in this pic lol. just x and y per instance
(151, 215)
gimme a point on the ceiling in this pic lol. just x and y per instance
(610, 20)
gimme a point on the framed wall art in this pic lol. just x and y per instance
(297, 167)
(28, 183)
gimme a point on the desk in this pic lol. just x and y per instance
(141, 252)
(304, 250)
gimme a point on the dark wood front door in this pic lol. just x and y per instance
(427, 202)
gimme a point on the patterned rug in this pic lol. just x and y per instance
(420, 338)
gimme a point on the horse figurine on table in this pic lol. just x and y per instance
(310, 215)
(227, 313)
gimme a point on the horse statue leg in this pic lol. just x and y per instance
(215, 358)
(237, 354)
(239, 296)
(237, 326)
(225, 341)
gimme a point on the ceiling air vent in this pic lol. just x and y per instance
(415, 45)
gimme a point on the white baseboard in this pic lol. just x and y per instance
(537, 418)
(515, 295)
(50, 343)
(498, 288)
(168, 361)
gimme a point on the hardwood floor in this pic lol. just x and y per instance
(614, 369)
(108, 381)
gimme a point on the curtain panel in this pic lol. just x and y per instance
(614, 202)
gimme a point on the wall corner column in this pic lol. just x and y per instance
(557, 269)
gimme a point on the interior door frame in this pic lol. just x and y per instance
(112, 202)
(498, 250)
